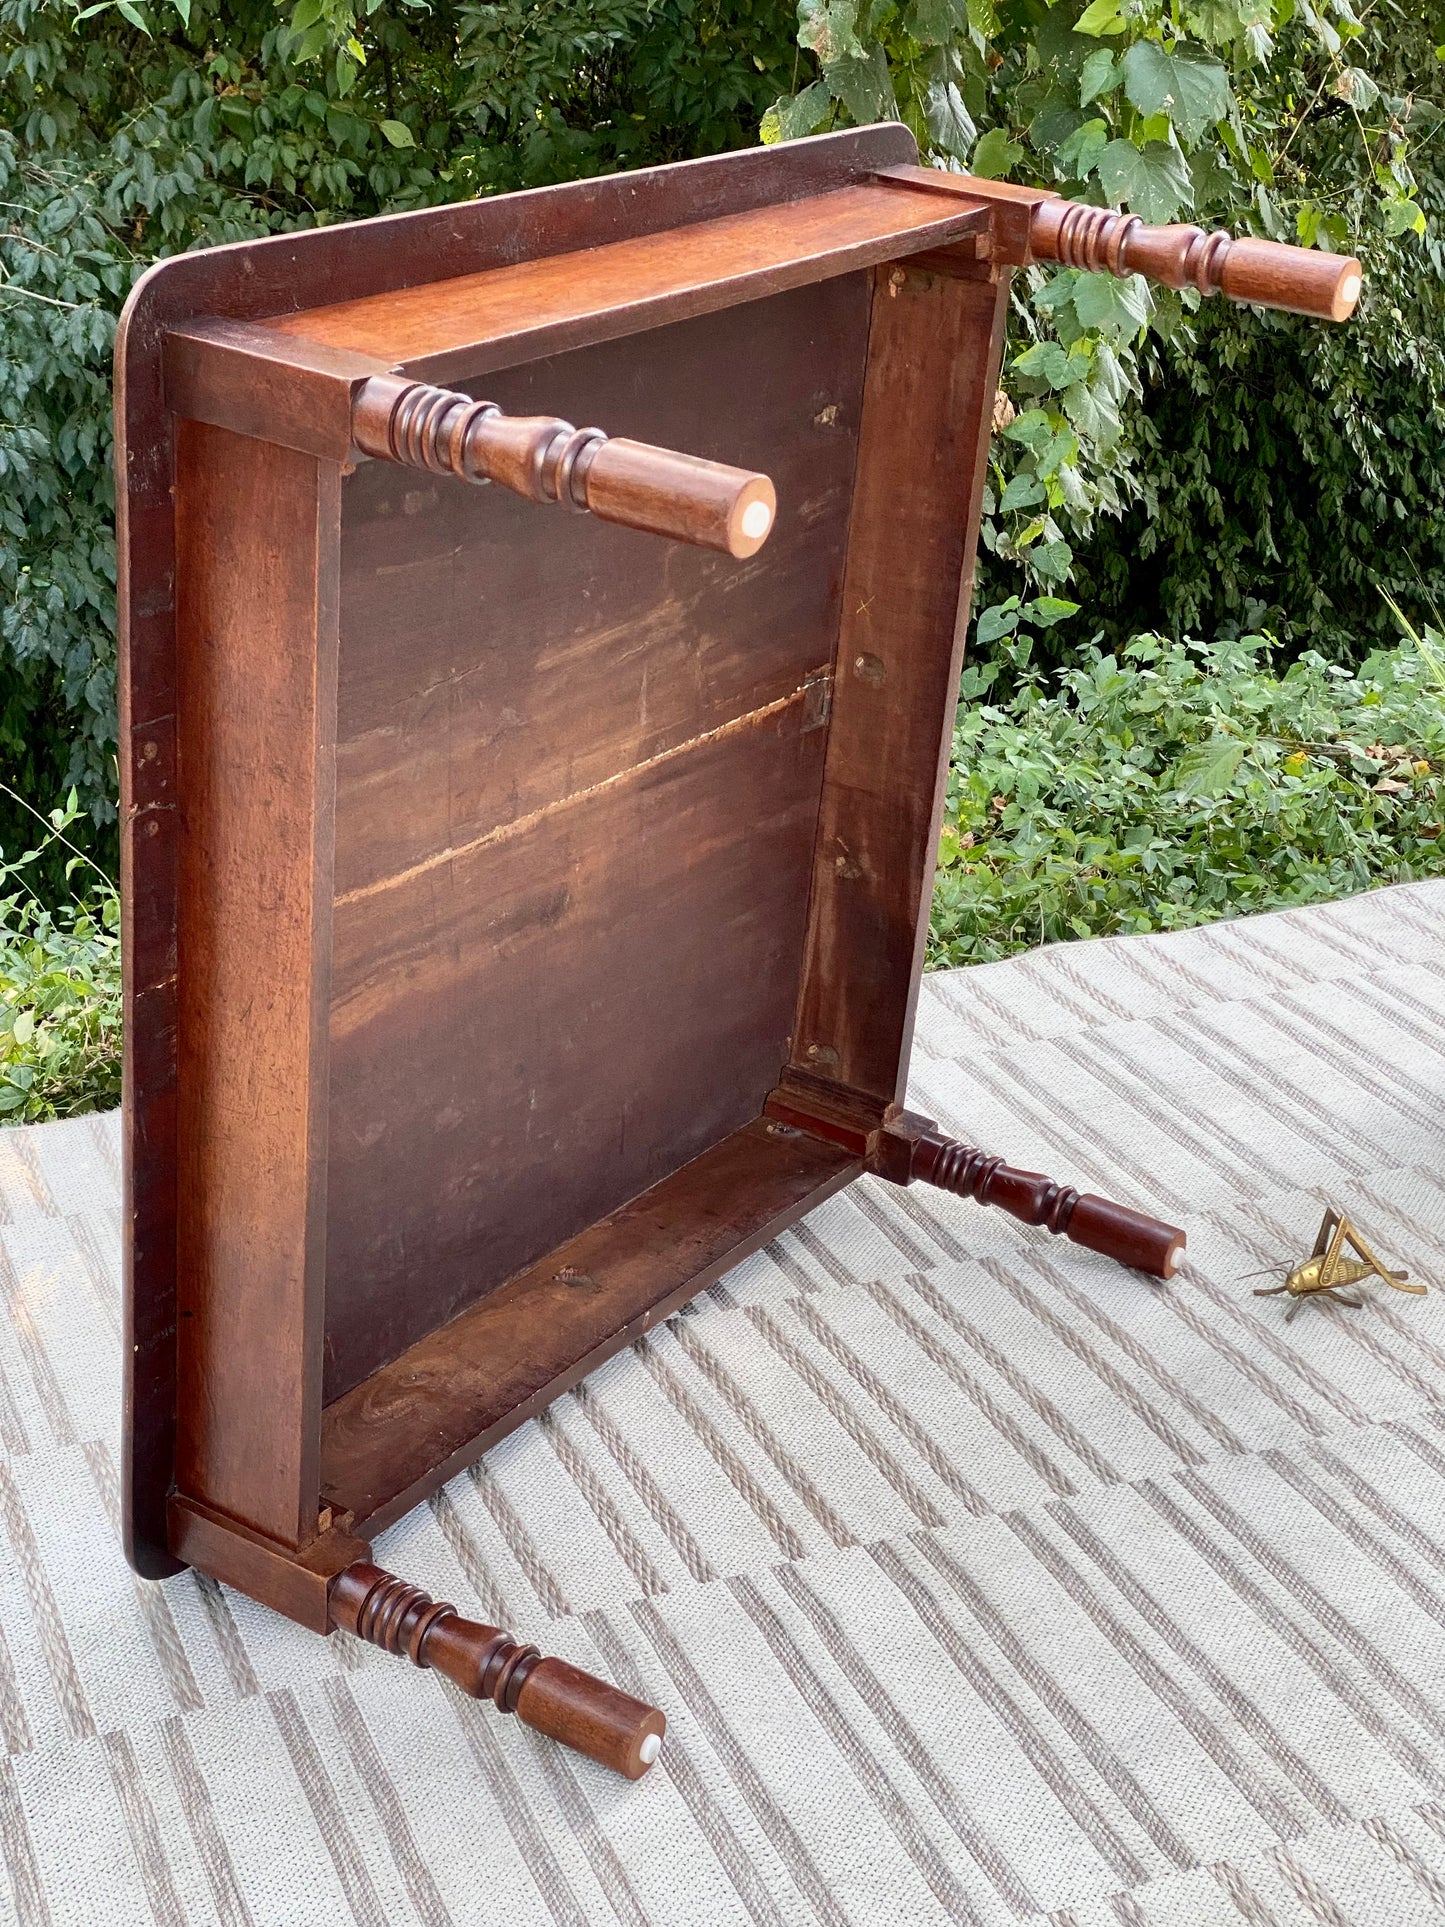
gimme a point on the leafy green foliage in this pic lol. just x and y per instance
(62, 277)
(135, 129)
(1260, 468)
(1286, 473)
(1205, 470)
(1174, 783)
(60, 992)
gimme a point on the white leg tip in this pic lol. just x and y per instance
(757, 520)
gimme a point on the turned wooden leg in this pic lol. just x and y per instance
(1113, 1229)
(557, 1699)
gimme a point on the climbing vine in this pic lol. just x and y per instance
(1258, 468)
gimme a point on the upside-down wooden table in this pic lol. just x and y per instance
(524, 913)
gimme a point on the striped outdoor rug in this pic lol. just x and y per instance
(981, 1582)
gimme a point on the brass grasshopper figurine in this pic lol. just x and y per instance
(1327, 1268)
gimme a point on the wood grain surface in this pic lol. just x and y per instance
(257, 600)
(575, 822)
(1031, 224)
(545, 653)
(549, 1695)
(535, 1031)
(660, 491)
(405, 1430)
(459, 328)
(248, 282)
(933, 360)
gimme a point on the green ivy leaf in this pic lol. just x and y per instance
(864, 86)
(1100, 74)
(1046, 610)
(1062, 446)
(795, 115)
(934, 23)
(1056, 121)
(1070, 484)
(1023, 492)
(1080, 152)
(1051, 561)
(949, 121)
(1092, 414)
(1222, 22)
(1032, 430)
(1215, 182)
(1001, 620)
(1323, 31)
(1403, 216)
(828, 28)
(1047, 361)
(1101, 17)
(1192, 88)
(1113, 306)
(312, 43)
(994, 155)
(1357, 87)
(1153, 180)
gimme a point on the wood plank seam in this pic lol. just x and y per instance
(519, 826)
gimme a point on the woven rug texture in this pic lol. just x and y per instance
(982, 1582)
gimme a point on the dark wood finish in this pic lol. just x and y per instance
(524, 922)
(1300, 280)
(902, 1147)
(1010, 236)
(933, 358)
(559, 1700)
(513, 1056)
(544, 659)
(246, 283)
(257, 555)
(470, 324)
(1143, 1243)
(575, 822)
(678, 496)
(1305, 281)
(584, 1712)
(250, 378)
(832, 1109)
(682, 497)
(424, 1415)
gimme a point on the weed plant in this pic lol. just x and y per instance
(1174, 783)
(60, 1001)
